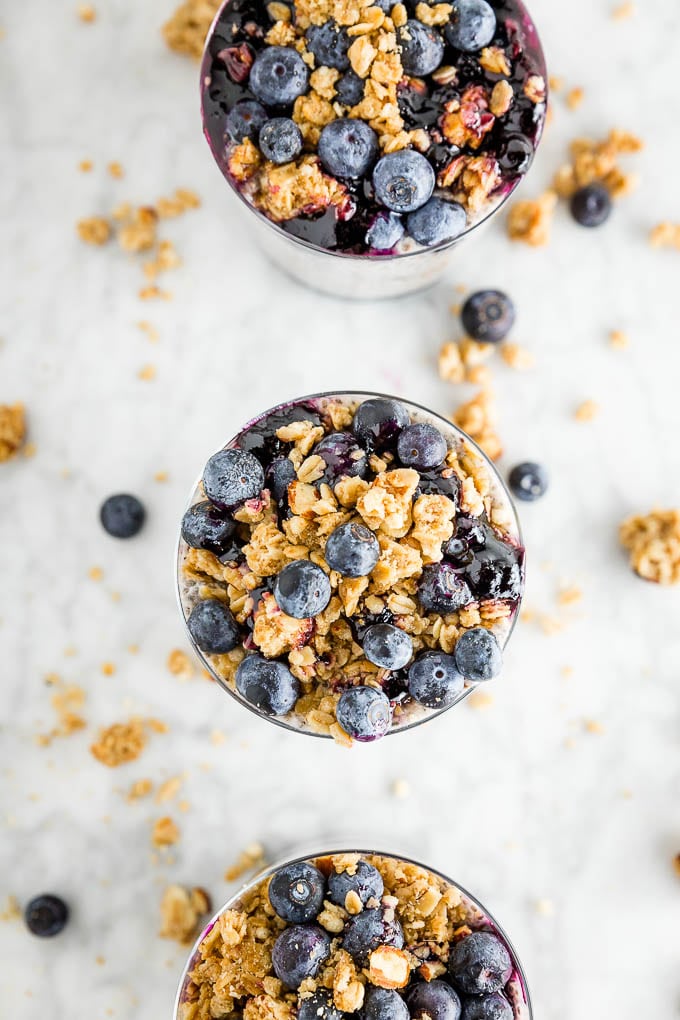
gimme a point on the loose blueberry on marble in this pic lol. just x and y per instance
(480, 964)
(206, 527)
(280, 140)
(488, 316)
(442, 589)
(352, 550)
(278, 477)
(302, 589)
(342, 455)
(434, 680)
(245, 119)
(46, 915)
(487, 1007)
(349, 90)
(278, 76)
(231, 477)
(368, 930)
(122, 515)
(528, 481)
(319, 1006)
(364, 713)
(422, 48)
(591, 206)
(387, 646)
(348, 147)
(403, 181)
(378, 421)
(267, 685)
(213, 627)
(329, 44)
(296, 892)
(384, 1004)
(366, 883)
(385, 232)
(299, 952)
(434, 1000)
(436, 222)
(421, 446)
(478, 655)
(472, 25)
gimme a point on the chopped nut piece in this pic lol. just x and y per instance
(653, 541)
(12, 430)
(181, 911)
(389, 967)
(501, 98)
(530, 220)
(494, 60)
(165, 832)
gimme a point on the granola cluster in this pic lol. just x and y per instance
(653, 542)
(12, 430)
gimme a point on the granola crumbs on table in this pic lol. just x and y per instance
(67, 702)
(598, 162)
(253, 857)
(619, 340)
(530, 220)
(147, 373)
(140, 788)
(587, 411)
(477, 417)
(87, 13)
(624, 11)
(12, 430)
(95, 573)
(569, 595)
(653, 542)
(85, 166)
(575, 98)
(149, 330)
(180, 664)
(182, 911)
(94, 230)
(676, 865)
(11, 911)
(186, 30)
(517, 357)
(124, 742)
(665, 235)
(165, 832)
(115, 170)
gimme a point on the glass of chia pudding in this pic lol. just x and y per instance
(350, 565)
(370, 137)
(353, 933)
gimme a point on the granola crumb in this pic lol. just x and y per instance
(94, 230)
(87, 13)
(619, 340)
(149, 330)
(169, 789)
(67, 702)
(517, 357)
(665, 235)
(116, 170)
(11, 911)
(147, 373)
(598, 162)
(153, 293)
(165, 833)
(85, 166)
(477, 417)
(140, 788)
(676, 865)
(180, 664)
(575, 98)
(120, 743)
(181, 912)
(95, 573)
(252, 857)
(12, 430)
(187, 29)
(530, 220)
(593, 726)
(587, 411)
(653, 542)
(401, 789)
(570, 596)
(624, 11)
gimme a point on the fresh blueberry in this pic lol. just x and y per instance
(403, 181)
(302, 589)
(352, 550)
(385, 5)
(591, 206)
(478, 655)
(488, 316)
(384, 1004)
(329, 44)
(421, 446)
(278, 76)
(528, 481)
(122, 515)
(378, 422)
(472, 25)
(231, 477)
(278, 477)
(245, 120)
(385, 231)
(433, 1000)
(348, 147)
(270, 686)
(422, 48)
(349, 90)
(342, 456)
(488, 1007)
(280, 140)
(442, 589)
(213, 628)
(299, 952)
(46, 915)
(387, 646)
(365, 713)
(434, 680)
(319, 1006)
(206, 527)
(480, 964)
(437, 221)
(366, 882)
(491, 567)
(296, 892)
(368, 930)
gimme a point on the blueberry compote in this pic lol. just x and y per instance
(333, 556)
(468, 104)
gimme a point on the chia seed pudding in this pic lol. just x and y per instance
(350, 565)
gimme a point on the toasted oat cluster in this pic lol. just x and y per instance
(12, 430)
(351, 934)
(333, 550)
(459, 88)
(653, 541)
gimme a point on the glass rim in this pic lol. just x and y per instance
(429, 714)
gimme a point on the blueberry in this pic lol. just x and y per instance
(471, 26)
(46, 915)
(278, 76)
(366, 882)
(319, 1006)
(213, 628)
(245, 120)
(296, 892)
(434, 1000)
(384, 1004)
(385, 5)
(515, 154)
(206, 527)
(349, 90)
(378, 422)
(122, 515)
(528, 481)
(329, 44)
(488, 316)
(421, 446)
(488, 1007)
(280, 140)
(437, 221)
(442, 589)
(342, 456)
(591, 206)
(352, 550)
(302, 589)
(387, 646)
(270, 686)
(299, 952)
(385, 232)
(368, 930)
(231, 477)
(478, 655)
(348, 147)
(278, 477)
(403, 181)
(480, 964)
(365, 713)
(422, 48)
(434, 680)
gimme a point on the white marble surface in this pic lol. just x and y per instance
(497, 798)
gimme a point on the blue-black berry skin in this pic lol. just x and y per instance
(385, 232)
(302, 589)
(366, 882)
(319, 1006)
(368, 930)
(422, 48)
(122, 515)
(421, 446)
(213, 627)
(387, 646)
(378, 422)
(348, 148)
(384, 1004)
(352, 550)
(528, 481)
(299, 952)
(245, 120)
(488, 316)
(206, 527)
(329, 44)
(403, 181)
(478, 655)
(437, 222)
(480, 964)
(441, 589)
(472, 25)
(591, 206)
(278, 76)
(296, 892)
(342, 455)
(46, 915)
(434, 680)
(269, 686)
(487, 1007)
(280, 140)
(231, 477)
(364, 713)
(433, 1000)
(349, 90)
